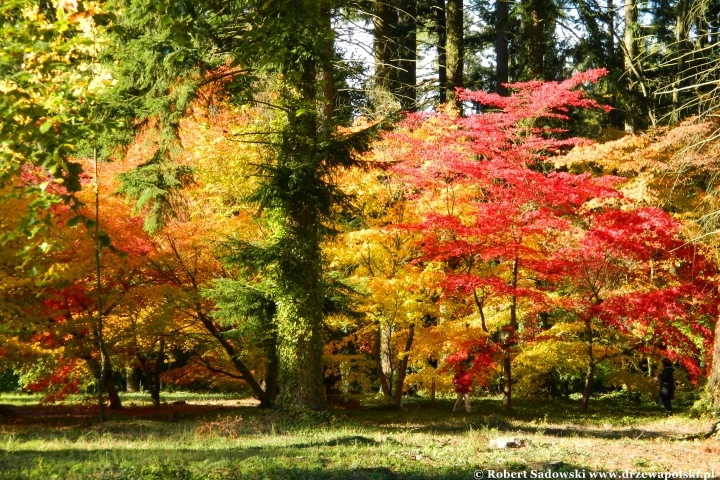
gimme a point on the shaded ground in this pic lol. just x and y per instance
(219, 438)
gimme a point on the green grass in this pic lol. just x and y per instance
(421, 441)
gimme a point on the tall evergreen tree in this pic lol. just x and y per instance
(295, 194)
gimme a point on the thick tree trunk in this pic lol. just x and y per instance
(301, 201)
(384, 23)
(271, 370)
(454, 49)
(108, 383)
(381, 360)
(441, 57)
(630, 51)
(402, 367)
(502, 57)
(113, 396)
(713, 385)
(537, 16)
(132, 380)
(406, 60)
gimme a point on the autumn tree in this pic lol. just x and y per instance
(671, 169)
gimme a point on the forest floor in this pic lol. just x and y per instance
(218, 437)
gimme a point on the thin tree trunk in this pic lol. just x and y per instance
(154, 386)
(502, 57)
(681, 40)
(327, 67)
(234, 358)
(454, 49)
(507, 360)
(590, 370)
(99, 335)
(612, 62)
(442, 58)
(713, 385)
(402, 367)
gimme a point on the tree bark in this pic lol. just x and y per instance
(383, 27)
(630, 51)
(327, 67)
(271, 370)
(508, 343)
(590, 370)
(502, 57)
(108, 383)
(402, 367)
(681, 40)
(454, 49)
(234, 358)
(406, 60)
(385, 384)
(132, 380)
(441, 57)
(537, 16)
(153, 374)
(713, 385)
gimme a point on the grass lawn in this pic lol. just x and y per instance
(220, 437)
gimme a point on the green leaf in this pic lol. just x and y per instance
(45, 126)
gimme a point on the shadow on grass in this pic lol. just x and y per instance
(608, 418)
(559, 418)
(230, 463)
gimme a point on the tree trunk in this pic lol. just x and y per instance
(590, 370)
(713, 385)
(384, 23)
(113, 396)
(630, 52)
(132, 380)
(327, 68)
(454, 49)
(507, 344)
(537, 16)
(381, 363)
(502, 57)
(441, 57)
(247, 376)
(301, 199)
(407, 55)
(432, 392)
(271, 370)
(153, 375)
(402, 367)
(108, 383)
(681, 40)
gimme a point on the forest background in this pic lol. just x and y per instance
(214, 195)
